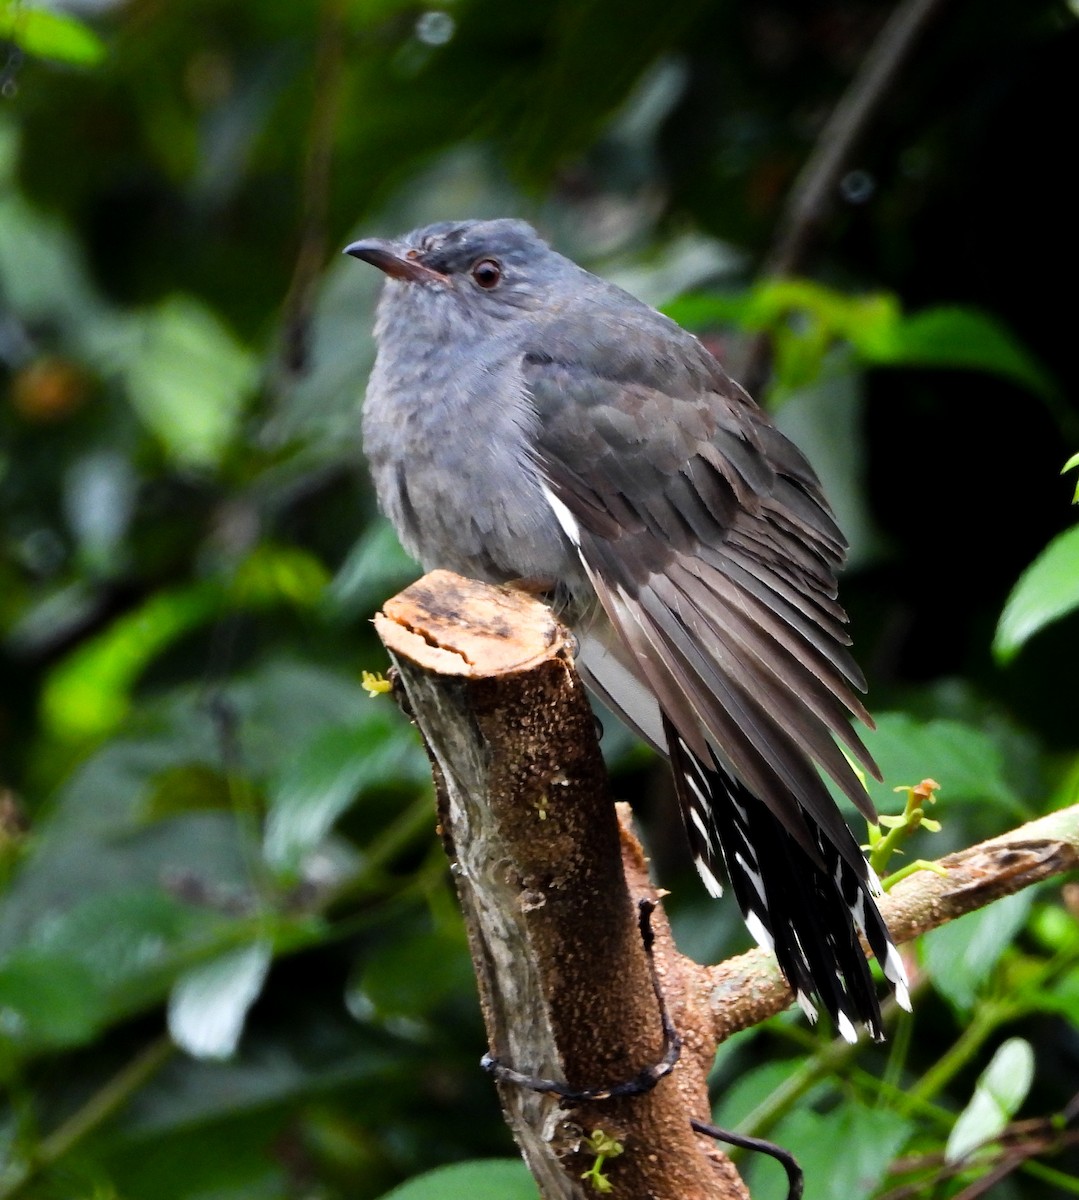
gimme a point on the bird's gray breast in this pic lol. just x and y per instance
(448, 438)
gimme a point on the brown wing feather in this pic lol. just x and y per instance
(714, 555)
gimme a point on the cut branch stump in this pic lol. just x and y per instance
(549, 880)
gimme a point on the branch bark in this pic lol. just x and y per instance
(537, 856)
(549, 872)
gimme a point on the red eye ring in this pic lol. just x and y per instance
(487, 273)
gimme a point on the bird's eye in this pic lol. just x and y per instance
(487, 273)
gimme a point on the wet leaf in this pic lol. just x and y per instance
(209, 1003)
(1047, 590)
(999, 1092)
(959, 956)
(485, 1179)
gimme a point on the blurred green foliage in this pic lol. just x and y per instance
(230, 960)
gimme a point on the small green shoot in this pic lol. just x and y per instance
(882, 845)
(603, 1146)
(374, 683)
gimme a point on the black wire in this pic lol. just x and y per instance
(795, 1178)
(645, 1079)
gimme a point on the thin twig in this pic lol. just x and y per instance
(103, 1104)
(817, 181)
(1019, 1144)
(815, 186)
(311, 255)
(795, 1175)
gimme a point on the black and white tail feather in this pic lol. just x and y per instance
(806, 912)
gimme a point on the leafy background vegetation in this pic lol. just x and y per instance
(230, 960)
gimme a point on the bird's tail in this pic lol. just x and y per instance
(806, 910)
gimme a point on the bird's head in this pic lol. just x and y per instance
(465, 273)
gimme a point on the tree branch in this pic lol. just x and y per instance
(537, 857)
(549, 872)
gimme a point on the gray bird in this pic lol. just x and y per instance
(525, 419)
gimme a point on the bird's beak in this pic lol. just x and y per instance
(386, 256)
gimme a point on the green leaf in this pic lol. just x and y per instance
(230, 1158)
(317, 785)
(737, 1105)
(826, 422)
(43, 269)
(806, 318)
(1062, 996)
(483, 1179)
(959, 956)
(192, 787)
(704, 310)
(273, 574)
(209, 1004)
(965, 338)
(312, 1048)
(845, 1153)
(47, 1000)
(55, 35)
(324, 777)
(101, 883)
(213, 1130)
(88, 694)
(412, 975)
(1055, 928)
(964, 760)
(188, 379)
(1047, 590)
(999, 1092)
(1071, 465)
(122, 933)
(375, 567)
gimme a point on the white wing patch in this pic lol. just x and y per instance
(711, 883)
(764, 939)
(565, 518)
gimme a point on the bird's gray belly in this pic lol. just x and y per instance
(478, 509)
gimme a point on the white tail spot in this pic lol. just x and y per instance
(846, 1030)
(761, 935)
(714, 887)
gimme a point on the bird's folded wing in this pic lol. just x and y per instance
(713, 553)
